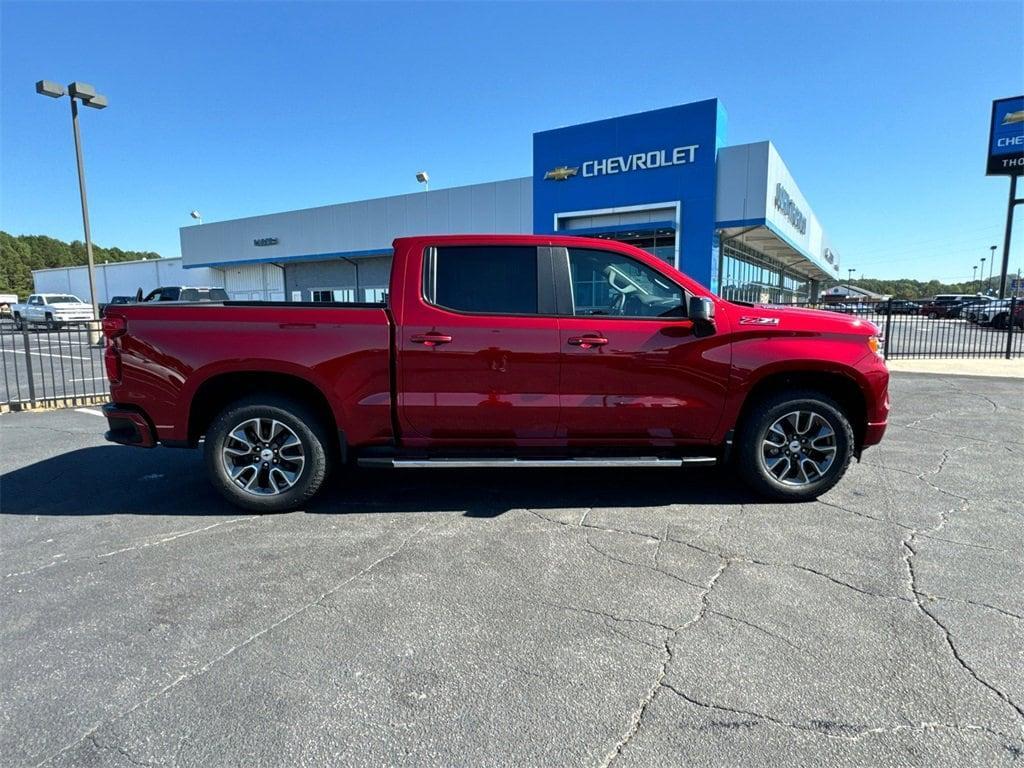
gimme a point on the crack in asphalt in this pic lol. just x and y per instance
(821, 727)
(920, 596)
(637, 717)
(178, 535)
(94, 739)
(847, 731)
(62, 559)
(199, 671)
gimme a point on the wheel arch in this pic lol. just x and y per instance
(839, 385)
(221, 389)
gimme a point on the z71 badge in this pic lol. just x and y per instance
(759, 321)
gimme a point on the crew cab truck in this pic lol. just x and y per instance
(499, 351)
(54, 310)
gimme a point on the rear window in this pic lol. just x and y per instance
(203, 294)
(498, 280)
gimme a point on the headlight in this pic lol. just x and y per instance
(877, 345)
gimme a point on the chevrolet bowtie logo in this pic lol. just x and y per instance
(1009, 119)
(561, 173)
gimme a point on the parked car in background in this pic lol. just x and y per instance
(115, 301)
(1018, 313)
(54, 310)
(6, 301)
(995, 313)
(500, 351)
(942, 309)
(970, 310)
(187, 293)
(898, 307)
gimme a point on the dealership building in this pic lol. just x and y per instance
(667, 181)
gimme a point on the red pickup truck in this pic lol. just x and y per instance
(499, 351)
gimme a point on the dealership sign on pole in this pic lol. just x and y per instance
(1006, 138)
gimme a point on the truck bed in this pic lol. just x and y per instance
(172, 351)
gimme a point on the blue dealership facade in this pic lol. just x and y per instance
(667, 181)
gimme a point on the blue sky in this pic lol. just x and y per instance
(880, 109)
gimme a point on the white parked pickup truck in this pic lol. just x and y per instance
(54, 310)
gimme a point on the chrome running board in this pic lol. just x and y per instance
(611, 461)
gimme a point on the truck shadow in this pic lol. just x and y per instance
(109, 480)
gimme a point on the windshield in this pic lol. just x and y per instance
(63, 300)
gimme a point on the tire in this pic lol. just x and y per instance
(266, 493)
(999, 321)
(933, 315)
(819, 473)
(51, 324)
(19, 324)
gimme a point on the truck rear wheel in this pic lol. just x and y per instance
(267, 454)
(794, 446)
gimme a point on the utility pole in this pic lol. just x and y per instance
(87, 94)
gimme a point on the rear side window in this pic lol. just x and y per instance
(496, 280)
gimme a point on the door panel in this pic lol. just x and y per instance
(468, 376)
(653, 382)
(633, 371)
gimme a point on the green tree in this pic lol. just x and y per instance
(20, 254)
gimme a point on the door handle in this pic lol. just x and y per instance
(431, 339)
(588, 341)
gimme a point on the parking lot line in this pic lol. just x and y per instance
(44, 354)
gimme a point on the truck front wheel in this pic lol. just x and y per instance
(267, 454)
(794, 446)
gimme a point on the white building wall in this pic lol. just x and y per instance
(363, 226)
(124, 278)
(253, 282)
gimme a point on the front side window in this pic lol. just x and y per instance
(607, 283)
(494, 280)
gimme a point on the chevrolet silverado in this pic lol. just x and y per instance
(499, 351)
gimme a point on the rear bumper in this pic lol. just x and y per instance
(128, 426)
(874, 433)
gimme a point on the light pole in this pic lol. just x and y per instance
(85, 93)
(974, 277)
(982, 273)
(849, 280)
(991, 264)
(424, 178)
(197, 216)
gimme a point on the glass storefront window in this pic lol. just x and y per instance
(749, 276)
(659, 242)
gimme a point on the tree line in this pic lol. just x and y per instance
(20, 254)
(904, 288)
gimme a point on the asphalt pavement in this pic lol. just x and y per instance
(535, 618)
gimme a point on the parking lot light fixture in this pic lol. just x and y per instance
(86, 93)
(49, 88)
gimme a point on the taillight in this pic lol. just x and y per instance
(114, 326)
(112, 362)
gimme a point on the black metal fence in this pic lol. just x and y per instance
(62, 367)
(52, 367)
(992, 330)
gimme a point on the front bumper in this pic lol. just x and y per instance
(128, 426)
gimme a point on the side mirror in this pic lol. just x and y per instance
(702, 313)
(701, 309)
